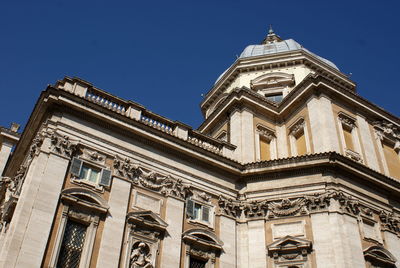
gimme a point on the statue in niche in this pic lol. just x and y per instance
(140, 256)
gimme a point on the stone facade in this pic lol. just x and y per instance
(290, 168)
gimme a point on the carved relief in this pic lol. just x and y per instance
(140, 255)
(389, 221)
(266, 132)
(166, 185)
(146, 229)
(287, 207)
(255, 209)
(385, 128)
(62, 145)
(229, 207)
(347, 121)
(297, 127)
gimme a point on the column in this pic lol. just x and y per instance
(171, 251)
(4, 154)
(367, 142)
(42, 215)
(111, 240)
(257, 248)
(323, 126)
(228, 237)
(340, 247)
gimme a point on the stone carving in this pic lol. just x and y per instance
(230, 207)
(298, 127)
(318, 201)
(202, 196)
(126, 168)
(265, 132)
(385, 128)
(35, 147)
(152, 180)
(287, 207)
(140, 256)
(347, 203)
(290, 207)
(255, 209)
(347, 121)
(353, 155)
(389, 221)
(62, 145)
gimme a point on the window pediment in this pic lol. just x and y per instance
(289, 243)
(379, 255)
(84, 198)
(272, 80)
(203, 238)
(147, 219)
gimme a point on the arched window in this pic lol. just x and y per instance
(202, 248)
(77, 229)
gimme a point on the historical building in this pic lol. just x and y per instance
(290, 168)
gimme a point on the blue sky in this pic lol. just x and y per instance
(165, 54)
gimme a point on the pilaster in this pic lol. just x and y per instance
(367, 143)
(228, 236)
(112, 236)
(393, 245)
(337, 241)
(173, 241)
(42, 214)
(5, 152)
(257, 250)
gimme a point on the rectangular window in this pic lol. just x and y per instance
(197, 211)
(348, 138)
(89, 173)
(275, 97)
(301, 144)
(265, 149)
(72, 245)
(392, 160)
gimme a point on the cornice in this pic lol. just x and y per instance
(277, 60)
(312, 84)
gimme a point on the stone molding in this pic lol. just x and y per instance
(290, 250)
(152, 180)
(332, 201)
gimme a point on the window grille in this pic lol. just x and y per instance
(196, 263)
(72, 245)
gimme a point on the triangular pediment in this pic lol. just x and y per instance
(289, 243)
(147, 217)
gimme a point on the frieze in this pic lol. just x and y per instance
(389, 221)
(255, 209)
(287, 207)
(385, 128)
(166, 185)
(230, 207)
(62, 145)
(290, 207)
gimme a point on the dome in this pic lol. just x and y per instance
(273, 44)
(278, 47)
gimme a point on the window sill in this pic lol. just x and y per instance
(88, 184)
(201, 223)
